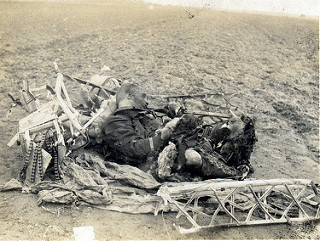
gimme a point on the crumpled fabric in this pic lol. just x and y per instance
(126, 174)
(103, 197)
(11, 185)
(116, 187)
(79, 177)
(56, 195)
(78, 184)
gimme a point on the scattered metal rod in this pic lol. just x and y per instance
(28, 97)
(189, 95)
(215, 105)
(48, 210)
(206, 113)
(229, 103)
(83, 81)
(16, 101)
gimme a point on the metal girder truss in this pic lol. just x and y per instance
(238, 203)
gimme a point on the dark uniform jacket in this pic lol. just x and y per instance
(130, 135)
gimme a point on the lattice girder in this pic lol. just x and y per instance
(238, 203)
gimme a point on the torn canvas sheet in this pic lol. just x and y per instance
(126, 174)
(112, 186)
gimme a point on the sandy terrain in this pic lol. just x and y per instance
(269, 64)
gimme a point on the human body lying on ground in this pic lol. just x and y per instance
(135, 135)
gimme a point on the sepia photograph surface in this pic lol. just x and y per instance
(61, 65)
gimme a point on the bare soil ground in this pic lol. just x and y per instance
(269, 64)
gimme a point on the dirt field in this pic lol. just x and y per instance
(269, 64)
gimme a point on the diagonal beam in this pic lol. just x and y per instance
(187, 203)
(259, 203)
(296, 201)
(182, 209)
(256, 205)
(224, 208)
(219, 208)
(292, 202)
(195, 214)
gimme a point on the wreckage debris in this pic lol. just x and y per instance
(298, 201)
(56, 169)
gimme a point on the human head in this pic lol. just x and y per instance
(236, 126)
(131, 95)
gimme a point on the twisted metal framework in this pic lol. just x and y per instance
(239, 203)
(47, 118)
